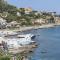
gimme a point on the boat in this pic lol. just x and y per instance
(19, 43)
(32, 36)
(19, 40)
(27, 35)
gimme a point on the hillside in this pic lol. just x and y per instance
(25, 16)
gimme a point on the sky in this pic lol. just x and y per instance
(40, 5)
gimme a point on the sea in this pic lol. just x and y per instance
(48, 40)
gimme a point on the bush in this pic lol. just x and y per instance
(4, 58)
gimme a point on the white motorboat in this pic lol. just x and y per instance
(31, 35)
(27, 35)
(18, 40)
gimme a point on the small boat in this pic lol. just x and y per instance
(18, 40)
(32, 36)
(27, 35)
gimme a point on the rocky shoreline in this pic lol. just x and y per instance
(37, 27)
(23, 49)
(28, 48)
(25, 28)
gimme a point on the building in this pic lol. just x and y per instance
(39, 21)
(57, 19)
(18, 14)
(38, 12)
(28, 10)
(52, 13)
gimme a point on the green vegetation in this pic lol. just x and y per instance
(4, 58)
(11, 17)
(6, 7)
(23, 18)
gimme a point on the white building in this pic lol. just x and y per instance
(18, 14)
(57, 19)
(39, 21)
(28, 10)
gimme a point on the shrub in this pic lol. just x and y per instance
(4, 58)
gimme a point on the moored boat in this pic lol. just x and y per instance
(32, 36)
(18, 43)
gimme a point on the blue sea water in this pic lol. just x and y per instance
(48, 44)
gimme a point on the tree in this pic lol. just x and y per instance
(11, 17)
(22, 11)
(4, 58)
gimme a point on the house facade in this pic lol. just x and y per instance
(57, 19)
(28, 10)
(39, 21)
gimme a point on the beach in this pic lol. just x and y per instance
(25, 28)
